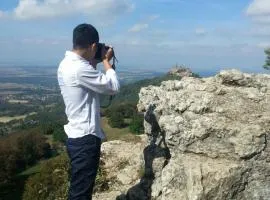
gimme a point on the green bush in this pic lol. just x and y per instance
(59, 134)
(126, 109)
(136, 125)
(116, 120)
(32, 147)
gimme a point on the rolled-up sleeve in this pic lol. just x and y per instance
(92, 79)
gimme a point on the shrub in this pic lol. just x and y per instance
(136, 125)
(116, 120)
(59, 134)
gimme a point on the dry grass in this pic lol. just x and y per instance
(118, 133)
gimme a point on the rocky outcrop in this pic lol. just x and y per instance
(181, 72)
(208, 139)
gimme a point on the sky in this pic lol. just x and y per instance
(204, 35)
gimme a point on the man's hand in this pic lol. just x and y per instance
(106, 57)
(107, 54)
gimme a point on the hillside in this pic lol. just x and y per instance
(207, 140)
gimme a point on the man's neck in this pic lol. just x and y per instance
(80, 53)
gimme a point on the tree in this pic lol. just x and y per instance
(126, 109)
(17, 151)
(32, 147)
(267, 61)
(8, 162)
(59, 134)
(136, 125)
(116, 120)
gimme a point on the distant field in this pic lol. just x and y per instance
(7, 86)
(18, 101)
(7, 92)
(7, 119)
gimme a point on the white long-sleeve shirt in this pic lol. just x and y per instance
(80, 86)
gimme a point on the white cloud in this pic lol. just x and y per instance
(138, 27)
(144, 24)
(33, 9)
(259, 8)
(259, 11)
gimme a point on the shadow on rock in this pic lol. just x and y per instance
(156, 149)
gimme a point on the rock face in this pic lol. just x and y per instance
(122, 164)
(208, 139)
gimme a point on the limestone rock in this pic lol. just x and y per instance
(216, 131)
(122, 164)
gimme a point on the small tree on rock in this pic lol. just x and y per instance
(267, 61)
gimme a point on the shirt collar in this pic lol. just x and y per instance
(74, 56)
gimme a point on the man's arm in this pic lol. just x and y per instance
(90, 78)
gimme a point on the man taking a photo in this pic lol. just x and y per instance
(80, 85)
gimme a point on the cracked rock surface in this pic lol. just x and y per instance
(217, 133)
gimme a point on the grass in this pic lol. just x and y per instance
(117, 133)
(31, 170)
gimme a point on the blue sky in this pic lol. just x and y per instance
(153, 34)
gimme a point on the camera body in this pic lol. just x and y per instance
(100, 46)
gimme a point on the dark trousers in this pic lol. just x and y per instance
(84, 154)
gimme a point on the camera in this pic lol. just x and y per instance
(100, 46)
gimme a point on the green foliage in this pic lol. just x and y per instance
(267, 61)
(126, 109)
(9, 109)
(48, 121)
(32, 147)
(59, 134)
(116, 120)
(118, 113)
(136, 125)
(8, 163)
(19, 151)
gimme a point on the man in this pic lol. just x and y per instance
(80, 85)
